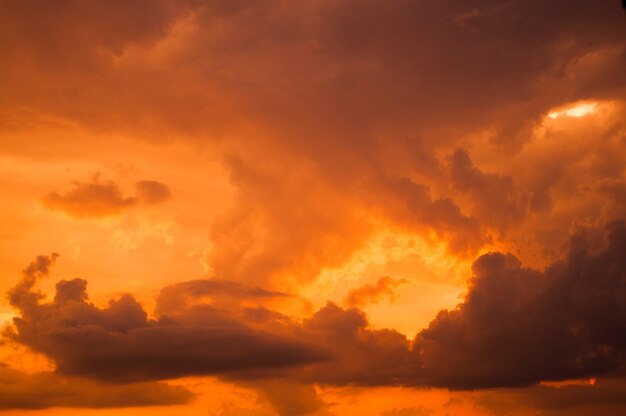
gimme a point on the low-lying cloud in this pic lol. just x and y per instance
(517, 326)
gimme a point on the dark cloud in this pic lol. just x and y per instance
(361, 355)
(519, 326)
(119, 343)
(347, 89)
(516, 327)
(43, 390)
(354, 65)
(97, 199)
(606, 397)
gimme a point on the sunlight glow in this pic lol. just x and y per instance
(578, 110)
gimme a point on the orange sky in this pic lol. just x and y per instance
(322, 207)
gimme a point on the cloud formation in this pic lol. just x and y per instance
(119, 342)
(99, 199)
(332, 122)
(496, 199)
(517, 326)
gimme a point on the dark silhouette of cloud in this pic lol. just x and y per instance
(516, 327)
(119, 343)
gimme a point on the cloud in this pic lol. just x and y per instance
(92, 199)
(361, 355)
(289, 398)
(372, 293)
(43, 390)
(517, 326)
(604, 397)
(355, 91)
(119, 343)
(98, 199)
(409, 205)
(177, 297)
(152, 192)
(496, 199)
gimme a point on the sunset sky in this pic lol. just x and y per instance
(313, 207)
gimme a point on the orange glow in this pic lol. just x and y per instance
(312, 208)
(577, 110)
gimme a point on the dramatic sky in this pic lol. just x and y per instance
(313, 207)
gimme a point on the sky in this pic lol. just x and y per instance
(313, 207)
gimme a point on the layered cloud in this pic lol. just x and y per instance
(473, 126)
(120, 343)
(517, 326)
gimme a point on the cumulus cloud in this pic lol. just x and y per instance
(98, 199)
(355, 90)
(331, 118)
(517, 326)
(119, 342)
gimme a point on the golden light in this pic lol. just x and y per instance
(577, 110)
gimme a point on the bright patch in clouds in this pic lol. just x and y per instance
(578, 110)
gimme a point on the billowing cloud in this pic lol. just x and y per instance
(120, 343)
(517, 326)
(330, 123)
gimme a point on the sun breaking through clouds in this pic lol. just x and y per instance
(396, 208)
